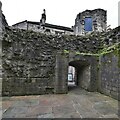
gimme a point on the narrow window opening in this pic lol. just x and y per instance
(88, 24)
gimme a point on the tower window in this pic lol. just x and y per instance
(88, 24)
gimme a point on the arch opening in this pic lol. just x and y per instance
(79, 75)
(71, 76)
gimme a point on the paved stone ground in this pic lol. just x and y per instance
(78, 103)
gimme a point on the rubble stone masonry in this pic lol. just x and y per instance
(36, 63)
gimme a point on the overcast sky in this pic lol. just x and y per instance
(58, 12)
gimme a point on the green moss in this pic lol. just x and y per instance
(115, 49)
(117, 53)
(66, 51)
(78, 53)
(104, 51)
(91, 54)
(110, 49)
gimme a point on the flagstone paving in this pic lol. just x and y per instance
(78, 103)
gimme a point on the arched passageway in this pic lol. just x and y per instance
(80, 71)
(85, 70)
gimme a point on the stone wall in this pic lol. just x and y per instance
(86, 70)
(28, 63)
(1, 30)
(0, 59)
(84, 76)
(99, 19)
(47, 28)
(29, 60)
(32, 65)
(22, 25)
(109, 76)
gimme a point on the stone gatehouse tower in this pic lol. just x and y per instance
(90, 20)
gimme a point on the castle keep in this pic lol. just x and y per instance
(37, 63)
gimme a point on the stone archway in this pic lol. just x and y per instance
(86, 66)
(82, 73)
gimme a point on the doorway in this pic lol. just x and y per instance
(79, 73)
(71, 76)
(85, 72)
